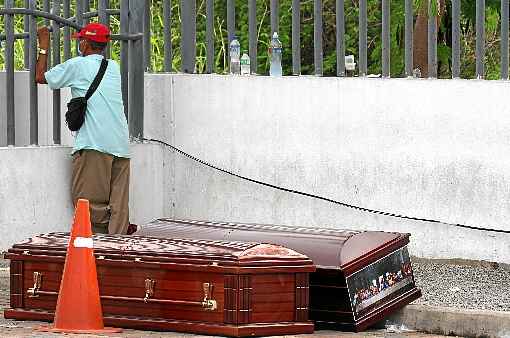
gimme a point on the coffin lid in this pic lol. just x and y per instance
(167, 250)
(327, 248)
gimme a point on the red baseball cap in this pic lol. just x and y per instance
(95, 32)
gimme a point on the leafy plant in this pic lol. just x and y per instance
(468, 61)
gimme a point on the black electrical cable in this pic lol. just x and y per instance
(378, 212)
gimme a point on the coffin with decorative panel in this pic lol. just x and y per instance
(203, 286)
(361, 276)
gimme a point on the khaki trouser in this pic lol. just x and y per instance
(103, 179)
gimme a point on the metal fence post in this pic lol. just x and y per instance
(340, 38)
(26, 42)
(386, 38)
(275, 16)
(67, 32)
(231, 20)
(188, 35)
(46, 8)
(456, 39)
(56, 61)
(504, 39)
(432, 41)
(34, 121)
(362, 37)
(79, 18)
(124, 54)
(252, 32)
(409, 37)
(136, 69)
(9, 70)
(317, 36)
(104, 18)
(296, 37)
(480, 38)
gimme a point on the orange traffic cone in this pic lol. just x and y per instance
(79, 306)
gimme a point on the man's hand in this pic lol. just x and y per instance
(44, 37)
(42, 61)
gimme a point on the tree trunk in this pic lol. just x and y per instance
(420, 35)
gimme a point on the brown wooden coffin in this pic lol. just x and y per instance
(361, 277)
(201, 286)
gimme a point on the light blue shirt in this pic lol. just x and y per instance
(105, 128)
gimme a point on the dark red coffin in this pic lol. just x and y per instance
(361, 276)
(202, 286)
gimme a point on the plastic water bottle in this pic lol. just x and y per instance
(235, 54)
(275, 51)
(245, 64)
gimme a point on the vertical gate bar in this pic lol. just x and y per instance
(86, 8)
(188, 33)
(231, 24)
(362, 37)
(34, 121)
(79, 18)
(56, 61)
(480, 38)
(408, 37)
(386, 38)
(124, 54)
(210, 36)
(432, 41)
(340, 38)
(456, 39)
(317, 36)
(167, 32)
(296, 37)
(136, 68)
(26, 42)
(147, 36)
(9, 70)
(46, 8)
(252, 32)
(504, 39)
(275, 16)
(104, 18)
(67, 32)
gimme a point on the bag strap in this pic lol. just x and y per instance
(97, 79)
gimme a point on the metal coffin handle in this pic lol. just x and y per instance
(208, 304)
(33, 291)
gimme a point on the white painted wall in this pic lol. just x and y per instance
(35, 189)
(431, 149)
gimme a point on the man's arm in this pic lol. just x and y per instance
(42, 60)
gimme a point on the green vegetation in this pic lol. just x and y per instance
(492, 60)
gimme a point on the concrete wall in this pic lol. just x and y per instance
(431, 149)
(422, 148)
(35, 189)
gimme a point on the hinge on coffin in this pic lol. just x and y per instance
(208, 304)
(32, 292)
(149, 289)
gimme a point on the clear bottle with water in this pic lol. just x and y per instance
(245, 64)
(275, 51)
(235, 54)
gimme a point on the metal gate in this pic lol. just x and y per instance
(131, 14)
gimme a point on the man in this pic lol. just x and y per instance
(100, 164)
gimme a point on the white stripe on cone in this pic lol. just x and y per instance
(83, 242)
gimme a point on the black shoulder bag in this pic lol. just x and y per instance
(77, 107)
